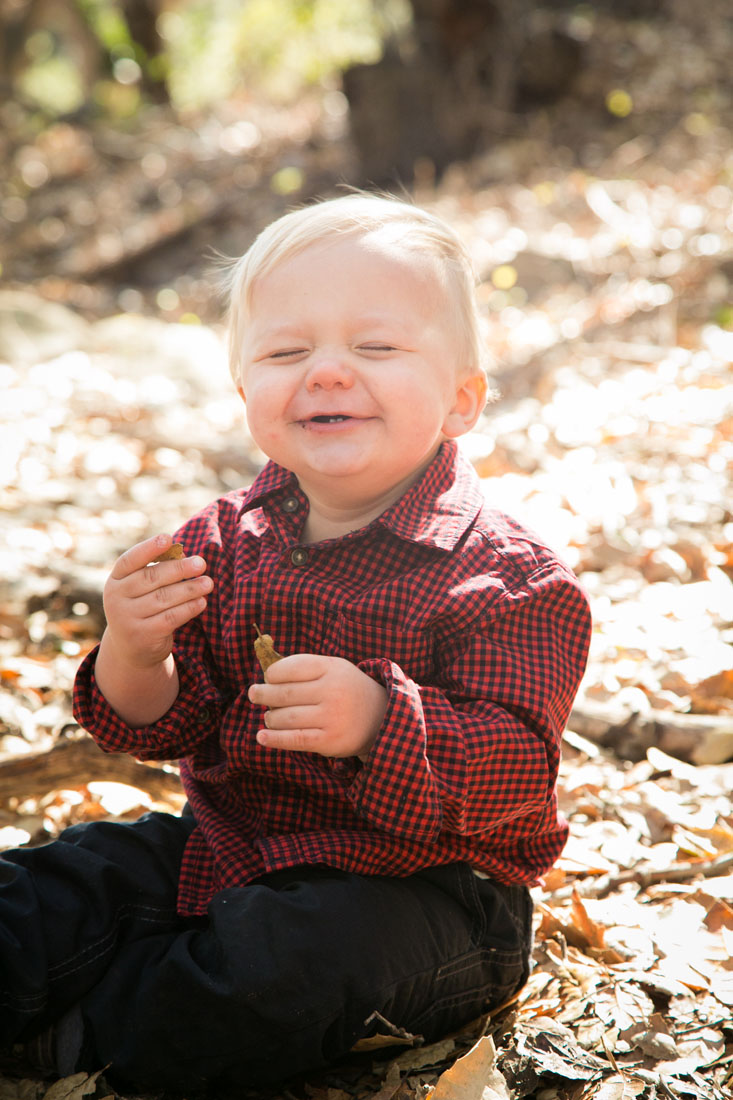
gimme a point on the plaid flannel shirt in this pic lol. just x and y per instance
(475, 628)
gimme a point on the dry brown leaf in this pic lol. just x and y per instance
(652, 1037)
(387, 1034)
(552, 1048)
(474, 1076)
(607, 955)
(719, 915)
(623, 1006)
(675, 969)
(550, 924)
(582, 933)
(618, 1087)
(695, 1051)
(554, 879)
(265, 649)
(592, 932)
(391, 1084)
(376, 1042)
(24, 1089)
(580, 858)
(431, 1055)
(75, 1087)
(721, 986)
(173, 553)
(718, 686)
(714, 694)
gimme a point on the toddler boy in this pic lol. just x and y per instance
(366, 818)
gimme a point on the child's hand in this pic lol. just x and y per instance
(145, 603)
(319, 704)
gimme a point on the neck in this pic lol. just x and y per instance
(331, 523)
(335, 509)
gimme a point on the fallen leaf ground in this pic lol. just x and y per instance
(606, 265)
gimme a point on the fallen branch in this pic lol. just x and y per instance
(74, 761)
(697, 738)
(677, 872)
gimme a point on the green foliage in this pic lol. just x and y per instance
(56, 79)
(211, 50)
(724, 316)
(106, 19)
(52, 83)
(277, 46)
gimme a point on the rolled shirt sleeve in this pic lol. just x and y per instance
(483, 748)
(193, 717)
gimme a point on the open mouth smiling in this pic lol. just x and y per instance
(326, 420)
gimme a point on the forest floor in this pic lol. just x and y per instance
(606, 265)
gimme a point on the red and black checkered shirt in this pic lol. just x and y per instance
(476, 630)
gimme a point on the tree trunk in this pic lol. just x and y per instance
(439, 97)
(142, 22)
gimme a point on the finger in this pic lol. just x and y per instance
(168, 574)
(165, 622)
(298, 740)
(291, 694)
(139, 555)
(169, 596)
(293, 718)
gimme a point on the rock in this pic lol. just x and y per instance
(33, 329)
(145, 346)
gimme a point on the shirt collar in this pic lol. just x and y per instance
(436, 511)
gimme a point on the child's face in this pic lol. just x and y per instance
(350, 369)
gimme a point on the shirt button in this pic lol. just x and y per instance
(299, 556)
(291, 504)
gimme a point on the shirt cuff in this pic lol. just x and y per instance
(396, 789)
(194, 715)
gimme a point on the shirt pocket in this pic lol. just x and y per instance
(409, 646)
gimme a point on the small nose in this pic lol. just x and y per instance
(328, 369)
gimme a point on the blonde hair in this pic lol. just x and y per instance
(356, 214)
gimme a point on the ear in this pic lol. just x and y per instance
(471, 395)
(240, 391)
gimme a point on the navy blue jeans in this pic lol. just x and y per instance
(281, 977)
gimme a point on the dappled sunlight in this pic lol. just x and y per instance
(601, 231)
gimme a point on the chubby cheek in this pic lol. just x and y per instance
(276, 437)
(422, 415)
(265, 410)
(266, 430)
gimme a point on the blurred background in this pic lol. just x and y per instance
(140, 137)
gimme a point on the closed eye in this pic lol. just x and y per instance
(286, 353)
